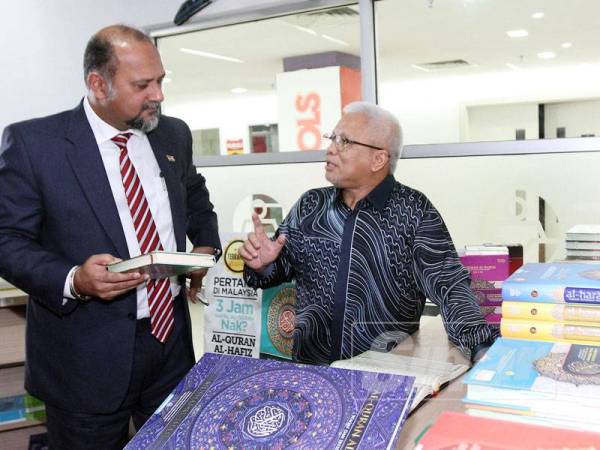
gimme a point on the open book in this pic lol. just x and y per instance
(159, 264)
(430, 376)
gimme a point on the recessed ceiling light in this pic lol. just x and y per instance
(305, 30)
(239, 90)
(335, 40)
(210, 55)
(566, 45)
(537, 15)
(517, 33)
(546, 55)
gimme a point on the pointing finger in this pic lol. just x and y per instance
(258, 227)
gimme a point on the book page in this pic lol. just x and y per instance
(429, 375)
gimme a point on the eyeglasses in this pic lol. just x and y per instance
(342, 142)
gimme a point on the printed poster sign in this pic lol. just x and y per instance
(232, 321)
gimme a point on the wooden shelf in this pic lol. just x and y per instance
(18, 439)
(11, 384)
(12, 335)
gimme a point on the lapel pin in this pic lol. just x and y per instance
(170, 158)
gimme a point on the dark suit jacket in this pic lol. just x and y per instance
(56, 210)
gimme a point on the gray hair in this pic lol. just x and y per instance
(383, 123)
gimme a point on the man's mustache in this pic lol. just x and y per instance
(150, 105)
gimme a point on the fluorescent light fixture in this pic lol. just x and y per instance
(566, 45)
(537, 15)
(546, 55)
(305, 30)
(239, 90)
(513, 66)
(210, 55)
(335, 40)
(517, 33)
(414, 66)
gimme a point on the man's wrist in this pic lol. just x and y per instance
(76, 295)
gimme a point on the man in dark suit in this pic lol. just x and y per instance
(103, 347)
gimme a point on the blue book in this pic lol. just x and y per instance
(234, 402)
(554, 283)
(278, 318)
(12, 408)
(544, 378)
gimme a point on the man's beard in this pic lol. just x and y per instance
(145, 125)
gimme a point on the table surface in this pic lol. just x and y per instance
(431, 342)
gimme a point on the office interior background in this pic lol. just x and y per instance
(499, 100)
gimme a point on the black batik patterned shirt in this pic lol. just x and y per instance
(363, 275)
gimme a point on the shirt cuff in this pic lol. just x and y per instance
(267, 271)
(479, 350)
(67, 288)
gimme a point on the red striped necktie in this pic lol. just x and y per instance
(160, 299)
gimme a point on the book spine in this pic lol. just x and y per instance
(571, 332)
(529, 292)
(551, 312)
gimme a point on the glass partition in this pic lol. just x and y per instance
(267, 86)
(530, 200)
(466, 71)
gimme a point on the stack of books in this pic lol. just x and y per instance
(453, 430)
(545, 383)
(489, 267)
(558, 302)
(582, 243)
(19, 408)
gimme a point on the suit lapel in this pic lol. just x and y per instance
(84, 157)
(160, 146)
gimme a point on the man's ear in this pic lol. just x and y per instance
(97, 85)
(379, 159)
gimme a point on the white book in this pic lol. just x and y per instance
(5, 284)
(583, 233)
(430, 376)
(160, 264)
(582, 245)
(485, 250)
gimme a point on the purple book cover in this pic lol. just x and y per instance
(234, 402)
(486, 267)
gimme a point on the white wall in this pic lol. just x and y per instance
(42, 44)
(231, 115)
(577, 117)
(499, 122)
(433, 111)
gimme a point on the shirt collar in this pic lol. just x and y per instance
(103, 132)
(379, 196)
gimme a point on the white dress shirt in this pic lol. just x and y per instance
(142, 157)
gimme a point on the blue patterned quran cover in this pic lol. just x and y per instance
(554, 283)
(278, 320)
(526, 373)
(243, 403)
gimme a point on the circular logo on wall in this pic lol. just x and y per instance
(231, 257)
(268, 209)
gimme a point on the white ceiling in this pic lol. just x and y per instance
(409, 32)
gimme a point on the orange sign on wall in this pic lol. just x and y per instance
(308, 126)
